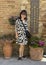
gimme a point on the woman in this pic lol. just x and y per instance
(21, 38)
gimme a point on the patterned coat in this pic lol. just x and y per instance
(19, 28)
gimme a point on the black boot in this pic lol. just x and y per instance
(19, 58)
(23, 56)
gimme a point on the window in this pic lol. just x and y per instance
(34, 16)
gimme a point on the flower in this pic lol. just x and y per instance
(35, 41)
(41, 43)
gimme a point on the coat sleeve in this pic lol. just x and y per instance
(18, 27)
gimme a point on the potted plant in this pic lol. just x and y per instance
(36, 45)
(12, 20)
(7, 47)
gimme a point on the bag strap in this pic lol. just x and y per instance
(24, 26)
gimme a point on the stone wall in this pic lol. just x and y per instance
(42, 18)
(7, 9)
(10, 8)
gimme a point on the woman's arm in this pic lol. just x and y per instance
(16, 34)
(16, 29)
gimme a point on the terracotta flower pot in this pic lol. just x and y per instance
(7, 49)
(36, 53)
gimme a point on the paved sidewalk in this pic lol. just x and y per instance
(14, 61)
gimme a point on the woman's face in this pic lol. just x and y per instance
(23, 16)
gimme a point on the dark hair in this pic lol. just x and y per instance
(23, 12)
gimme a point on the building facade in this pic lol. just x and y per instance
(36, 10)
